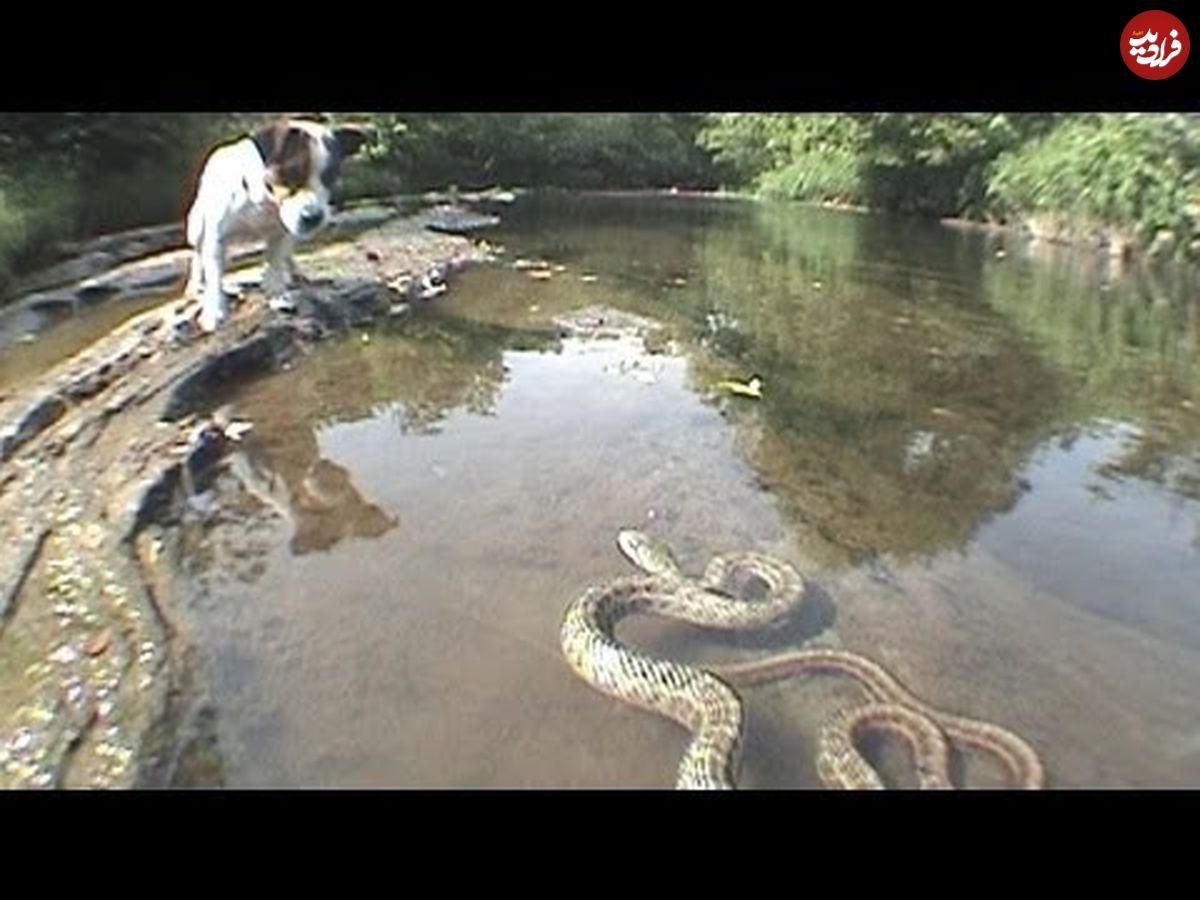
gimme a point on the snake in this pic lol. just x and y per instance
(703, 698)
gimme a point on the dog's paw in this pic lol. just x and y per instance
(210, 320)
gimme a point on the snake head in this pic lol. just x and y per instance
(649, 556)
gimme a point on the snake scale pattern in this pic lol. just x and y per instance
(703, 700)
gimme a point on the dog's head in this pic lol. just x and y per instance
(303, 160)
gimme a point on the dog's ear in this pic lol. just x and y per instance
(287, 152)
(267, 139)
(350, 139)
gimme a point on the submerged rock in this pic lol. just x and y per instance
(457, 220)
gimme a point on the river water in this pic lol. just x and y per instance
(984, 455)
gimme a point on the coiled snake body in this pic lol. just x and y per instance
(704, 702)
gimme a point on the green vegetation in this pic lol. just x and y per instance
(1137, 174)
(68, 175)
(1121, 178)
(570, 150)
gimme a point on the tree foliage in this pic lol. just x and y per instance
(589, 150)
(1128, 174)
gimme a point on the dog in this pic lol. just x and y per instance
(274, 184)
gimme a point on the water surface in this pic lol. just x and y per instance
(987, 463)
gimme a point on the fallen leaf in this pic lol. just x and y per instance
(99, 643)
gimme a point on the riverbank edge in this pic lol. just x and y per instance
(96, 456)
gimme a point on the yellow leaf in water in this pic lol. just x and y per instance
(751, 388)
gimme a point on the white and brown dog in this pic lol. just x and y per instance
(275, 185)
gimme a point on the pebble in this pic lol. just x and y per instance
(65, 655)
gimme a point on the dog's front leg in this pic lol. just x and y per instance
(280, 272)
(214, 309)
(194, 290)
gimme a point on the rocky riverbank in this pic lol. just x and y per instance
(98, 457)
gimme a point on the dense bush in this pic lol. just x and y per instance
(1126, 176)
(919, 163)
(812, 157)
(1137, 173)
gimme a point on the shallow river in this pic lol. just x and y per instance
(984, 456)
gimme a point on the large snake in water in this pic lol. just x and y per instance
(703, 701)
